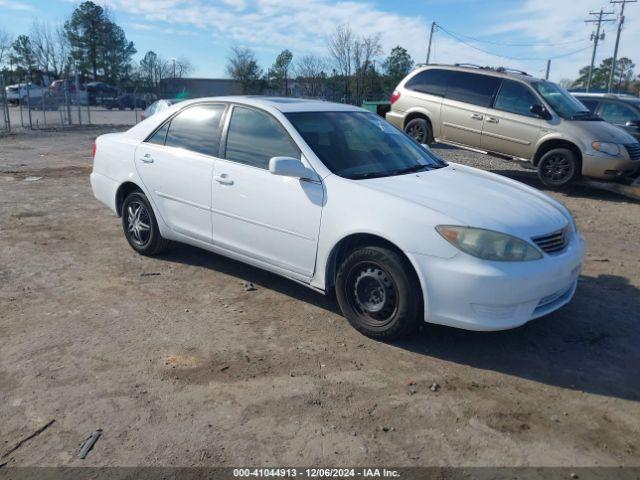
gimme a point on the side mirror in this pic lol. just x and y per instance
(290, 167)
(540, 111)
(633, 123)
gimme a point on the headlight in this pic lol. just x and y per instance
(489, 245)
(607, 148)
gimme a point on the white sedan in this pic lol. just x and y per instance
(335, 198)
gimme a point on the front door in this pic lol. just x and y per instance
(510, 127)
(176, 166)
(270, 218)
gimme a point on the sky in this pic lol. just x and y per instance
(518, 34)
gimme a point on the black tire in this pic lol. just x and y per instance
(420, 130)
(558, 167)
(377, 291)
(140, 225)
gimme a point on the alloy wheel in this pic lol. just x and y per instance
(557, 169)
(138, 223)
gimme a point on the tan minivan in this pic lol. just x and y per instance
(512, 114)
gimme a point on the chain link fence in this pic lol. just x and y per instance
(26, 106)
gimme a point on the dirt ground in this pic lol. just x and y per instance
(180, 366)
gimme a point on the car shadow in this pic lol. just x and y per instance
(578, 190)
(188, 255)
(590, 345)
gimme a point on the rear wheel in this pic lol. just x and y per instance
(378, 293)
(558, 167)
(140, 225)
(420, 130)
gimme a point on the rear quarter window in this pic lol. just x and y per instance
(433, 81)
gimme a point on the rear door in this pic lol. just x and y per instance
(465, 105)
(509, 126)
(176, 165)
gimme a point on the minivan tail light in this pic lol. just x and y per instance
(395, 96)
(95, 147)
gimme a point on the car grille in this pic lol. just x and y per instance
(554, 242)
(634, 150)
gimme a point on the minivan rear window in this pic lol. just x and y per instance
(472, 88)
(433, 81)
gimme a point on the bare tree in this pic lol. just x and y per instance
(341, 45)
(184, 67)
(353, 57)
(365, 51)
(153, 68)
(50, 47)
(5, 46)
(243, 66)
(310, 70)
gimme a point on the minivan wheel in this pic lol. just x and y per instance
(558, 167)
(377, 292)
(420, 130)
(140, 226)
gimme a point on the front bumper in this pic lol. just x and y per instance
(469, 293)
(608, 168)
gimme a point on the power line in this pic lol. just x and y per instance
(504, 44)
(529, 59)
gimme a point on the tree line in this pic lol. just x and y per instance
(352, 71)
(90, 44)
(624, 80)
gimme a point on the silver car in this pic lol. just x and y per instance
(512, 114)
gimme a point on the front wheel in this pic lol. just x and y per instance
(140, 225)
(378, 293)
(558, 167)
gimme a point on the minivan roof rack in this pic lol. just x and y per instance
(496, 69)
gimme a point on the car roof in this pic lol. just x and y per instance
(500, 72)
(282, 104)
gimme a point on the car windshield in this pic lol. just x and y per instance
(564, 104)
(361, 145)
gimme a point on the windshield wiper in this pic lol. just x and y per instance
(412, 168)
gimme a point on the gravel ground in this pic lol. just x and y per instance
(180, 366)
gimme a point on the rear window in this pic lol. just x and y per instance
(433, 81)
(472, 88)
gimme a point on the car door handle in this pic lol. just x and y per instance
(492, 120)
(223, 179)
(476, 116)
(147, 158)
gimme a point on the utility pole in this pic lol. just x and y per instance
(597, 37)
(546, 75)
(615, 50)
(433, 28)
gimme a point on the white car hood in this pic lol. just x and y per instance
(479, 199)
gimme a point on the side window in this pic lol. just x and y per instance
(592, 105)
(432, 81)
(254, 137)
(159, 135)
(619, 113)
(515, 97)
(197, 129)
(472, 88)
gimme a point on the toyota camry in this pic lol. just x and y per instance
(337, 199)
